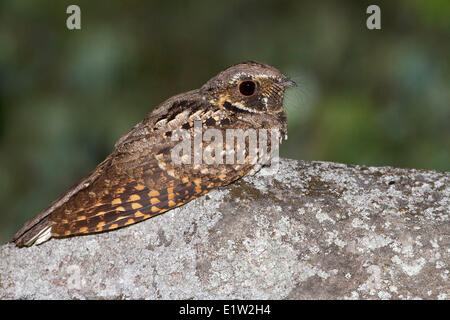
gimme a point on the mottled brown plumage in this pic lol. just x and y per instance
(139, 179)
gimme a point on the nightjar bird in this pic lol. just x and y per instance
(141, 179)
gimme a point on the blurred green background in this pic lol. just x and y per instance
(365, 97)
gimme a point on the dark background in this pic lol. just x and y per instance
(369, 97)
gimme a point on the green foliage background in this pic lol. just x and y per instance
(364, 97)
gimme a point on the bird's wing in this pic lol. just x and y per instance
(142, 181)
(137, 181)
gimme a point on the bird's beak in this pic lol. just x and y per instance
(288, 83)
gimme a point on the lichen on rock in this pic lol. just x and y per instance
(311, 230)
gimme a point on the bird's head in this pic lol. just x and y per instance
(249, 87)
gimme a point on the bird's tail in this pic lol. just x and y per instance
(34, 232)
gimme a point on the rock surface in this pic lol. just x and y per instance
(310, 231)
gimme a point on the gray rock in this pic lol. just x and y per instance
(310, 231)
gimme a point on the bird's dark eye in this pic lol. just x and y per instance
(247, 88)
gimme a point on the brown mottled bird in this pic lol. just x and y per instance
(139, 179)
